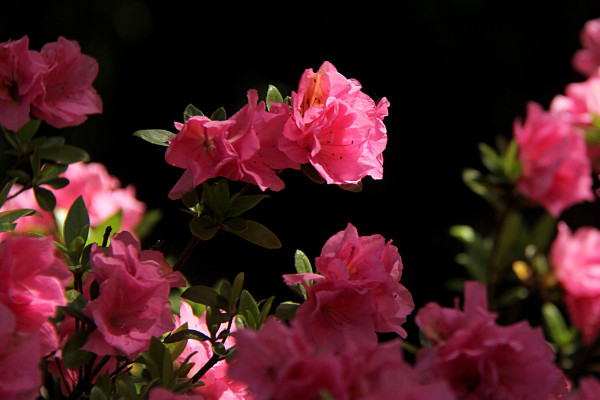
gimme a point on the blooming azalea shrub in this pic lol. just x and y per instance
(87, 312)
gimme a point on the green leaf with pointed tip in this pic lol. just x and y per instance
(186, 334)
(191, 111)
(203, 227)
(44, 198)
(66, 153)
(287, 310)
(155, 136)
(273, 96)
(555, 325)
(6, 190)
(302, 263)
(72, 355)
(76, 221)
(242, 204)
(219, 115)
(258, 234)
(205, 295)
(27, 132)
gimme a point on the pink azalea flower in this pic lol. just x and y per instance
(279, 362)
(21, 72)
(482, 360)
(20, 356)
(32, 281)
(69, 95)
(133, 304)
(580, 101)
(336, 127)
(240, 148)
(102, 194)
(556, 171)
(587, 59)
(358, 292)
(576, 261)
(588, 389)
(217, 384)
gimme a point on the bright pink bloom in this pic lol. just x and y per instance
(159, 393)
(217, 384)
(556, 171)
(589, 388)
(102, 194)
(482, 360)
(20, 356)
(69, 95)
(241, 148)
(336, 127)
(587, 59)
(279, 362)
(576, 261)
(32, 281)
(21, 72)
(358, 293)
(133, 304)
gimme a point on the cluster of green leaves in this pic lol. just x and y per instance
(40, 161)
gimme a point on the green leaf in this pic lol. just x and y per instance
(555, 325)
(44, 198)
(10, 216)
(352, 187)
(114, 221)
(490, 158)
(219, 115)
(56, 183)
(312, 173)
(273, 96)
(242, 204)
(286, 310)
(155, 136)
(185, 334)
(76, 221)
(236, 290)
(258, 234)
(72, 355)
(191, 111)
(249, 309)
(203, 227)
(302, 263)
(27, 131)
(205, 295)
(6, 190)
(67, 154)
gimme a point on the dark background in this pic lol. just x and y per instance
(455, 72)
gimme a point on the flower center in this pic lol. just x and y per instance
(314, 95)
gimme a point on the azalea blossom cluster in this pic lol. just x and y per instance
(87, 312)
(54, 84)
(329, 124)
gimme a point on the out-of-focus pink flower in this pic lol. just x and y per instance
(68, 96)
(21, 72)
(359, 292)
(556, 171)
(587, 59)
(101, 192)
(159, 393)
(589, 388)
(32, 281)
(575, 258)
(20, 356)
(217, 384)
(241, 148)
(482, 360)
(133, 304)
(336, 127)
(279, 362)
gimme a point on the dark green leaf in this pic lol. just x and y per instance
(312, 173)
(286, 311)
(56, 183)
(44, 198)
(203, 227)
(191, 111)
(219, 115)
(76, 221)
(242, 204)
(7, 227)
(26, 133)
(236, 290)
(12, 215)
(205, 295)
(352, 187)
(273, 96)
(185, 334)
(236, 224)
(72, 355)
(67, 154)
(155, 136)
(6, 190)
(258, 234)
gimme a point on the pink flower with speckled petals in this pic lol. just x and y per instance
(556, 171)
(336, 127)
(587, 59)
(482, 360)
(68, 96)
(244, 147)
(21, 73)
(217, 384)
(358, 292)
(133, 304)
(575, 258)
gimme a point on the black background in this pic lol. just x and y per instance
(455, 72)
